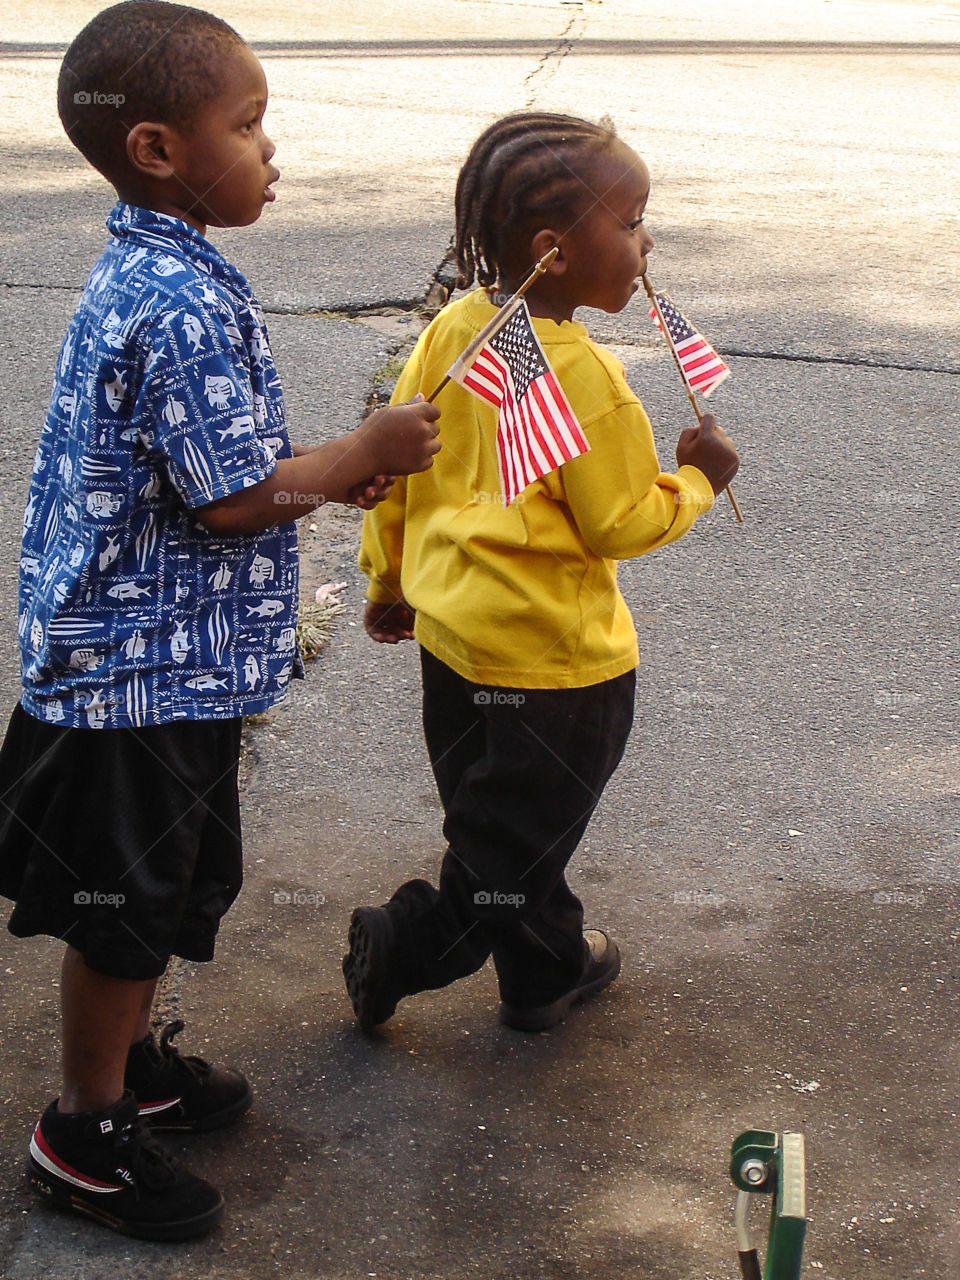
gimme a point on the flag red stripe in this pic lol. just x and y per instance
(711, 358)
(712, 385)
(486, 368)
(513, 428)
(480, 388)
(491, 384)
(560, 400)
(510, 478)
(518, 462)
(691, 345)
(540, 444)
(711, 375)
(507, 427)
(704, 375)
(555, 437)
(546, 432)
(578, 440)
(480, 381)
(569, 437)
(562, 408)
(697, 358)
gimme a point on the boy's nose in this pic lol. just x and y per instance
(269, 148)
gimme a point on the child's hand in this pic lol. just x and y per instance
(388, 623)
(368, 493)
(710, 448)
(402, 438)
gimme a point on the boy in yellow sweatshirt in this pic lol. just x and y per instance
(528, 648)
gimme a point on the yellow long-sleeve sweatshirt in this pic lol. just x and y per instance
(526, 596)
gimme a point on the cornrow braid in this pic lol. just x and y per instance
(524, 165)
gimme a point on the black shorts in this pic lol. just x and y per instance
(125, 843)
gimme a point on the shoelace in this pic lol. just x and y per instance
(195, 1066)
(150, 1163)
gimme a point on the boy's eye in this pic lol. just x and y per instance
(637, 222)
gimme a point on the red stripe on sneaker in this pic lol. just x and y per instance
(49, 1160)
(151, 1108)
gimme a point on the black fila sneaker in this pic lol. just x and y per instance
(178, 1091)
(368, 967)
(106, 1165)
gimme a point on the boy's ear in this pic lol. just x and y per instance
(150, 149)
(545, 240)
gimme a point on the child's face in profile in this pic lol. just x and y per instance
(608, 246)
(226, 171)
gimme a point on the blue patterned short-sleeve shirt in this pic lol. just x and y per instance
(165, 398)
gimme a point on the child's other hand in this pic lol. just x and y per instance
(710, 448)
(368, 493)
(388, 623)
(402, 438)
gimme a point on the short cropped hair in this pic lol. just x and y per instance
(524, 168)
(140, 60)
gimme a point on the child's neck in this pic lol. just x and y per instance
(542, 304)
(147, 197)
(550, 311)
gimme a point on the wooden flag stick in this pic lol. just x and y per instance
(651, 294)
(490, 329)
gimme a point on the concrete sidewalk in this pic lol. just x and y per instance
(776, 855)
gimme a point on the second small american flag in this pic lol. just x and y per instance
(702, 368)
(537, 431)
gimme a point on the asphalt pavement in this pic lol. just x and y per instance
(776, 855)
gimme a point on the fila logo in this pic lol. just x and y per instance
(126, 1175)
(106, 1126)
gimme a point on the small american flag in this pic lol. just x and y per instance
(537, 431)
(702, 368)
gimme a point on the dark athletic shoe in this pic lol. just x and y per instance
(106, 1164)
(180, 1092)
(601, 966)
(367, 966)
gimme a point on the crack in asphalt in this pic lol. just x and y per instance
(428, 303)
(549, 63)
(442, 283)
(37, 284)
(859, 362)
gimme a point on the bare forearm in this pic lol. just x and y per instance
(390, 442)
(297, 486)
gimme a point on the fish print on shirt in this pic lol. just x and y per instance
(166, 397)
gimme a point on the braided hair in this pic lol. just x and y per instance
(524, 166)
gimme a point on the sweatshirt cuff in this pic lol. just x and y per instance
(384, 591)
(697, 488)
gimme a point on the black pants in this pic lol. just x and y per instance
(520, 772)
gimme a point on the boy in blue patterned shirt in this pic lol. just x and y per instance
(158, 597)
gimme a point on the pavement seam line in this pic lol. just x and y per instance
(427, 306)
